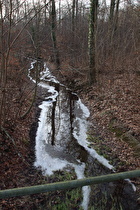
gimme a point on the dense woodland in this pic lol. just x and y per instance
(59, 33)
(93, 47)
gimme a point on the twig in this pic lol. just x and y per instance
(76, 69)
(13, 141)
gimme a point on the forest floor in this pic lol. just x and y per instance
(114, 106)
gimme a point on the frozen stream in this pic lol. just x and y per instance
(61, 134)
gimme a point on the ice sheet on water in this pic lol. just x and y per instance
(81, 136)
(44, 160)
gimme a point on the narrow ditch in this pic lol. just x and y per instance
(61, 144)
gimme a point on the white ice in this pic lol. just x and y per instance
(48, 163)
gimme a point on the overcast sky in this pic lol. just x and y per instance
(100, 1)
(85, 1)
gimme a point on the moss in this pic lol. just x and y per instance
(102, 201)
(137, 150)
(118, 129)
(121, 131)
(97, 143)
(92, 138)
(71, 200)
(25, 141)
(117, 126)
(127, 137)
(63, 199)
(107, 112)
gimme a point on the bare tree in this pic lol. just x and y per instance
(11, 30)
(116, 14)
(113, 17)
(5, 50)
(112, 10)
(92, 41)
(73, 16)
(53, 34)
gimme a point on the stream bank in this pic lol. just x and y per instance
(124, 197)
(115, 98)
(19, 173)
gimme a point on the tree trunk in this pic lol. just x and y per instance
(53, 33)
(92, 41)
(4, 59)
(73, 16)
(59, 14)
(112, 9)
(116, 15)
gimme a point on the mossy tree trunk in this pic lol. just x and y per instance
(53, 34)
(92, 42)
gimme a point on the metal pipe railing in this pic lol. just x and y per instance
(67, 184)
